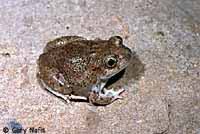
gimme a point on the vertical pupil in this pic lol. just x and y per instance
(111, 62)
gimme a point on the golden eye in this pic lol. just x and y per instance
(111, 61)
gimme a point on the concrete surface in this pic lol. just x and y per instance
(163, 99)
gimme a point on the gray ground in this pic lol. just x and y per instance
(163, 95)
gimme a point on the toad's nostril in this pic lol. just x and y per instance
(128, 53)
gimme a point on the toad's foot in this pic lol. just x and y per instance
(111, 93)
(100, 95)
(64, 97)
(106, 97)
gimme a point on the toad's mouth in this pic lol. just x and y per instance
(107, 81)
(107, 78)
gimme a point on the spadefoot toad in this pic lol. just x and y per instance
(73, 67)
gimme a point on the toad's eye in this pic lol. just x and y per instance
(111, 61)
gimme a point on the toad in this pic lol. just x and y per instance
(72, 67)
